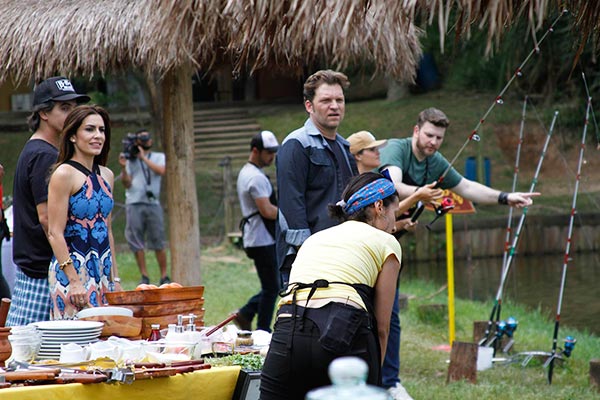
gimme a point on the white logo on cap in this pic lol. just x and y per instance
(64, 85)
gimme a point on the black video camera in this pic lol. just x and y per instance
(130, 146)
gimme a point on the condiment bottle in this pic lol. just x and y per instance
(244, 338)
(349, 375)
(155, 334)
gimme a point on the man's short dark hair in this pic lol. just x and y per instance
(433, 116)
(325, 76)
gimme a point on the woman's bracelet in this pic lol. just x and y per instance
(62, 265)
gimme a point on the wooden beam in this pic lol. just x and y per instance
(182, 199)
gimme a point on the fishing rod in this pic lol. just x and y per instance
(587, 91)
(514, 184)
(499, 100)
(495, 314)
(561, 293)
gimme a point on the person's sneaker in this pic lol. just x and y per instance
(145, 280)
(165, 279)
(241, 322)
(399, 393)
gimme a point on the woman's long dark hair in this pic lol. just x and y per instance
(355, 184)
(73, 122)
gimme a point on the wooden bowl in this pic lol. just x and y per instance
(118, 325)
(154, 296)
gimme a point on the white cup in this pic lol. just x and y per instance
(484, 358)
(72, 353)
(104, 349)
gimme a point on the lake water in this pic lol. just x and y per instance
(532, 280)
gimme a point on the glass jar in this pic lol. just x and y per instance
(155, 333)
(244, 338)
(349, 376)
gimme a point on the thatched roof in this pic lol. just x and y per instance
(42, 38)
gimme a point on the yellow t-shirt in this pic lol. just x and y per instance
(352, 252)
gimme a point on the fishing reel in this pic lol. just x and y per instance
(569, 346)
(504, 328)
(446, 205)
(566, 351)
(507, 328)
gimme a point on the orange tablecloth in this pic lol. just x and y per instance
(211, 384)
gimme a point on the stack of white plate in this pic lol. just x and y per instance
(55, 333)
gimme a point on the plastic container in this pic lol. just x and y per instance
(349, 376)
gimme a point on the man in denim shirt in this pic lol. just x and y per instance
(314, 165)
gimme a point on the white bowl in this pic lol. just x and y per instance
(102, 311)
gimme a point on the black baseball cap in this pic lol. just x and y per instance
(57, 88)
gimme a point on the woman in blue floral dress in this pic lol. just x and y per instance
(80, 202)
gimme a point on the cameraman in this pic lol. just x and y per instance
(141, 172)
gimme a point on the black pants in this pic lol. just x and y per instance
(291, 373)
(263, 303)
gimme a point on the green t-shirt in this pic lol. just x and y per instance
(398, 152)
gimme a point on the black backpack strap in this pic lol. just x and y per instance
(245, 220)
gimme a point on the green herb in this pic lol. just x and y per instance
(250, 362)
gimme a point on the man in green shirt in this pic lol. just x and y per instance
(411, 163)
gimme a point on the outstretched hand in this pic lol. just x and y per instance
(520, 200)
(429, 193)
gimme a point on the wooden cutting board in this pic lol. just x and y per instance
(153, 296)
(165, 308)
(118, 325)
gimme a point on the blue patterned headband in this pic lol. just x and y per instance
(367, 195)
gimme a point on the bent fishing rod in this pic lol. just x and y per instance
(561, 293)
(496, 309)
(499, 98)
(514, 184)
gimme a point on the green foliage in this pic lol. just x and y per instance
(249, 362)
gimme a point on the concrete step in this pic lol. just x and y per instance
(201, 123)
(223, 150)
(225, 135)
(228, 142)
(211, 113)
(227, 128)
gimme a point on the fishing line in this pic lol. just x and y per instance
(587, 92)
(553, 355)
(499, 100)
(569, 172)
(496, 309)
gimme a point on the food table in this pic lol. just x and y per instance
(215, 384)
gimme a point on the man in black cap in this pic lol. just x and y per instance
(53, 100)
(258, 206)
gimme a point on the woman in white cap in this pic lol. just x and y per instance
(365, 149)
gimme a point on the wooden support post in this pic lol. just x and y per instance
(463, 362)
(479, 328)
(182, 200)
(595, 373)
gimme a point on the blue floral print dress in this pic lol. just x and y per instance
(86, 234)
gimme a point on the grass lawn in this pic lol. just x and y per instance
(230, 279)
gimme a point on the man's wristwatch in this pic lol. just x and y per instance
(117, 279)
